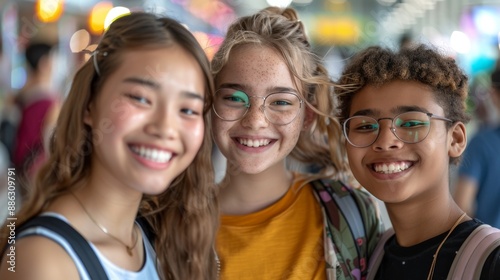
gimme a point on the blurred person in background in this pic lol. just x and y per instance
(478, 187)
(9, 114)
(39, 107)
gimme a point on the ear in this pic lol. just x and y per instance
(308, 119)
(458, 140)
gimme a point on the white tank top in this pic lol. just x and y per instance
(148, 270)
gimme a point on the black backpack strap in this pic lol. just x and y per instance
(342, 205)
(75, 239)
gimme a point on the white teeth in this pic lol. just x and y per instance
(391, 168)
(255, 143)
(152, 154)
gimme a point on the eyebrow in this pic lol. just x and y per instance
(193, 95)
(156, 86)
(142, 82)
(231, 85)
(402, 109)
(366, 112)
(270, 89)
(397, 110)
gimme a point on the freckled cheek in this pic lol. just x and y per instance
(296, 126)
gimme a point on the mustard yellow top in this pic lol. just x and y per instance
(283, 241)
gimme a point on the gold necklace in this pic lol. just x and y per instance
(434, 258)
(103, 229)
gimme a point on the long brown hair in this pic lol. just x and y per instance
(281, 30)
(185, 217)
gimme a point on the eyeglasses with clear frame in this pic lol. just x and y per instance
(279, 108)
(409, 127)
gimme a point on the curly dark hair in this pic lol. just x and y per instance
(424, 64)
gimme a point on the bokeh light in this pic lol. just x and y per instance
(49, 10)
(98, 16)
(460, 42)
(115, 13)
(79, 41)
(279, 3)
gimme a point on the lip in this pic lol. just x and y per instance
(388, 162)
(148, 162)
(253, 149)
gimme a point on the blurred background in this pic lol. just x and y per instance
(466, 30)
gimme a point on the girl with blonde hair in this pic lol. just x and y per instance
(273, 105)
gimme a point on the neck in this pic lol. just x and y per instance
(417, 222)
(245, 193)
(112, 210)
(109, 203)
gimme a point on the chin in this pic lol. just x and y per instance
(154, 191)
(155, 188)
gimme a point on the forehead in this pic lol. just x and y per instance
(171, 67)
(257, 67)
(388, 98)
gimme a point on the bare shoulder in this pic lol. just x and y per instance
(37, 257)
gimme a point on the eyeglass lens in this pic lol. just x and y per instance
(409, 127)
(279, 108)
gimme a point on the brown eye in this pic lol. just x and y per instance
(139, 99)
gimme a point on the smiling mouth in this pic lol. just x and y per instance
(155, 155)
(390, 168)
(253, 143)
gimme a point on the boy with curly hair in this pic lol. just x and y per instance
(403, 116)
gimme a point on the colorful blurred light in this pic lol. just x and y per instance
(487, 20)
(98, 16)
(113, 14)
(460, 42)
(342, 30)
(498, 40)
(279, 3)
(49, 10)
(209, 43)
(79, 41)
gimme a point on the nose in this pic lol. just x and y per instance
(255, 117)
(386, 139)
(162, 124)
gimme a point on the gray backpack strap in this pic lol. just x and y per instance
(378, 254)
(339, 204)
(473, 253)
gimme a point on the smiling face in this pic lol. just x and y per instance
(252, 144)
(147, 120)
(390, 169)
